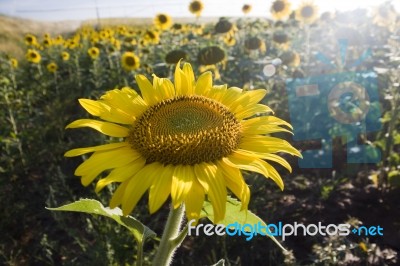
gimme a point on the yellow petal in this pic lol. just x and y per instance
(265, 120)
(217, 92)
(118, 194)
(106, 128)
(248, 99)
(252, 110)
(138, 185)
(249, 162)
(182, 180)
(93, 107)
(121, 174)
(204, 83)
(103, 160)
(272, 157)
(106, 112)
(125, 102)
(187, 69)
(235, 182)
(210, 177)
(160, 189)
(80, 151)
(267, 144)
(166, 88)
(231, 96)
(147, 90)
(194, 201)
(181, 82)
(263, 129)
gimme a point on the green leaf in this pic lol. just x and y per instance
(139, 231)
(235, 214)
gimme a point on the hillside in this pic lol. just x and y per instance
(12, 32)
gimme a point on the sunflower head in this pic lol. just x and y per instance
(280, 9)
(211, 55)
(196, 7)
(246, 8)
(30, 39)
(65, 56)
(52, 67)
(175, 56)
(307, 13)
(13, 63)
(229, 40)
(223, 26)
(33, 56)
(187, 140)
(290, 58)
(151, 36)
(163, 21)
(130, 61)
(94, 52)
(281, 39)
(47, 42)
(254, 43)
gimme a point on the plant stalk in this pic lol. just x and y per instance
(171, 234)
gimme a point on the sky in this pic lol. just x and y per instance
(56, 10)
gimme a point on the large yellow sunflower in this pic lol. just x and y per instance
(307, 12)
(280, 9)
(187, 140)
(163, 21)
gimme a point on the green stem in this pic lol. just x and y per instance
(171, 238)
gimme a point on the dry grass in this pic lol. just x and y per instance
(13, 30)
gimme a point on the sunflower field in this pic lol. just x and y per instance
(261, 95)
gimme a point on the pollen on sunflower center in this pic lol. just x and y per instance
(185, 130)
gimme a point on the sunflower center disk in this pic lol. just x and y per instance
(185, 130)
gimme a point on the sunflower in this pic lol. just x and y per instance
(65, 56)
(130, 61)
(280, 9)
(30, 39)
(281, 39)
(94, 52)
(188, 140)
(196, 7)
(224, 26)
(229, 40)
(290, 58)
(254, 43)
(13, 63)
(33, 56)
(211, 55)
(246, 8)
(52, 67)
(307, 13)
(163, 21)
(47, 42)
(151, 36)
(175, 56)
